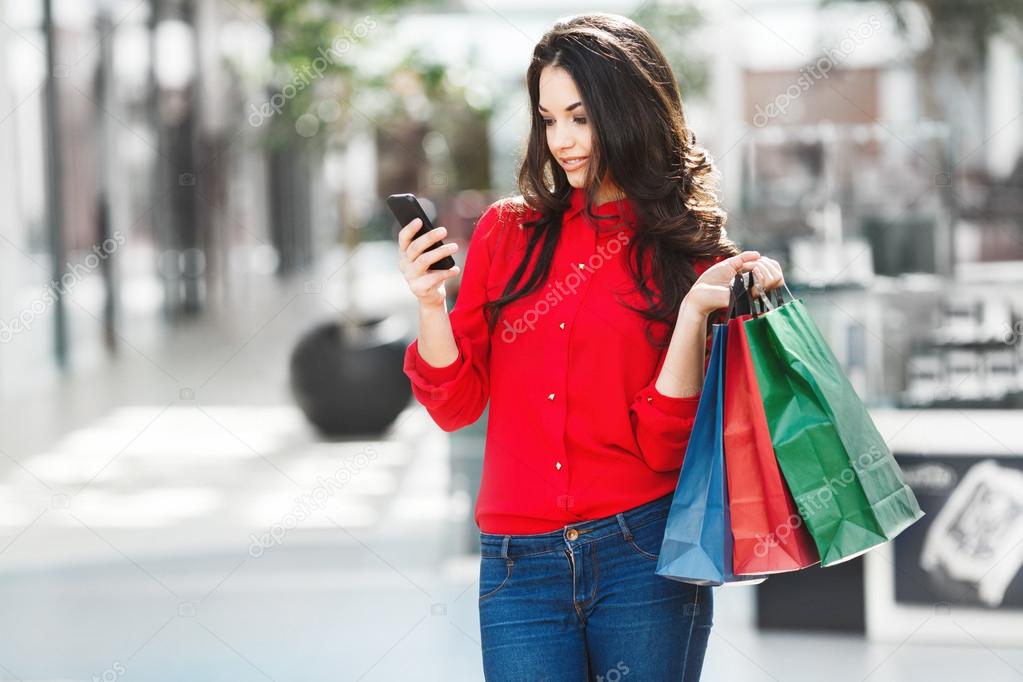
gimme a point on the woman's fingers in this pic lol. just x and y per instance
(742, 262)
(767, 274)
(405, 235)
(723, 272)
(436, 234)
(712, 289)
(766, 271)
(412, 249)
(773, 273)
(428, 258)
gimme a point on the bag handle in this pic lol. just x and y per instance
(761, 301)
(753, 305)
(776, 295)
(739, 301)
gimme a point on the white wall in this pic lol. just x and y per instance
(1004, 123)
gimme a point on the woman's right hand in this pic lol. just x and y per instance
(426, 284)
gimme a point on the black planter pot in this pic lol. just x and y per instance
(351, 384)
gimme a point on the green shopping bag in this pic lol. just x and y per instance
(845, 482)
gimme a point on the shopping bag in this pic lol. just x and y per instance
(768, 531)
(697, 545)
(845, 482)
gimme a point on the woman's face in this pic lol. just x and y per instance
(568, 128)
(569, 133)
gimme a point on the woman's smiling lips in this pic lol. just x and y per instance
(572, 162)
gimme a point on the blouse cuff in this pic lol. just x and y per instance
(670, 405)
(437, 381)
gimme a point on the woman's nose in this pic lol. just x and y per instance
(563, 140)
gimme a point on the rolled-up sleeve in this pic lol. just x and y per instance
(662, 424)
(456, 394)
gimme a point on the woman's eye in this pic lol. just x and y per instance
(578, 120)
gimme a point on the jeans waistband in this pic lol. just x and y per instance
(509, 546)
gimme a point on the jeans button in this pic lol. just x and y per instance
(572, 534)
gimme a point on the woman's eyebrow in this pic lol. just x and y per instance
(570, 107)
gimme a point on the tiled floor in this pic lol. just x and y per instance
(132, 522)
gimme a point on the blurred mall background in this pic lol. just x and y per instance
(211, 467)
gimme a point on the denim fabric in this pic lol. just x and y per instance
(590, 608)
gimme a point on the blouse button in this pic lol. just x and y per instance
(649, 399)
(562, 325)
(550, 396)
(582, 266)
(557, 465)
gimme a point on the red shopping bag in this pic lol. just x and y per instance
(769, 535)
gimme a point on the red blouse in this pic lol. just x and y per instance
(576, 429)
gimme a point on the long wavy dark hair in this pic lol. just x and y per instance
(640, 138)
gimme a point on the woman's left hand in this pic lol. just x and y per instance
(767, 275)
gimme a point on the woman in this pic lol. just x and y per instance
(582, 317)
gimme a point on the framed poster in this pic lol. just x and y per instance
(957, 573)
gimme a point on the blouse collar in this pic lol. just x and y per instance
(618, 207)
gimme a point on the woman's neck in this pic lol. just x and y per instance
(608, 193)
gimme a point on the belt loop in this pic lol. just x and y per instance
(504, 547)
(625, 528)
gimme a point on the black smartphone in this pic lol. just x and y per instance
(407, 208)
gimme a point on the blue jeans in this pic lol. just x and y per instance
(583, 603)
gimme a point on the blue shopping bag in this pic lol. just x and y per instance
(697, 545)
